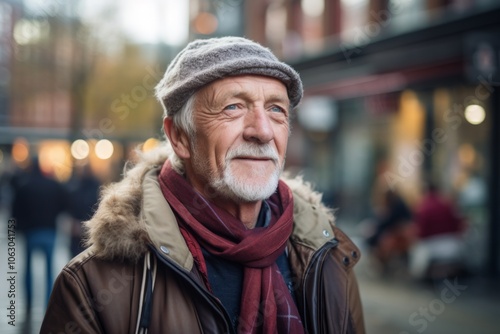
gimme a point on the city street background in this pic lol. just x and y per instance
(399, 95)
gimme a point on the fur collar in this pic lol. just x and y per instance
(119, 230)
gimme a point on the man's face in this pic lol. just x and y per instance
(242, 128)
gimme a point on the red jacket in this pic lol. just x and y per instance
(436, 215)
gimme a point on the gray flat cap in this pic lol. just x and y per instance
(206, 60)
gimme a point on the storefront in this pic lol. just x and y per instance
(419, 106)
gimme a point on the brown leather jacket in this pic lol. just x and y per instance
(109, 287)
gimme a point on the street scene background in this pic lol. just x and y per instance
(399, 129)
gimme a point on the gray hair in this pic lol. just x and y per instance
(183, 120)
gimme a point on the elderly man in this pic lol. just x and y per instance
(202, 235)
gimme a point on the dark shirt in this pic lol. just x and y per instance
(226, 277)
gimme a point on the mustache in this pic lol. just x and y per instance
(254, 150)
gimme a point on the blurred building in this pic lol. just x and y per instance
(396, 92)
(7, 18)
(70, 93)
(38, 106)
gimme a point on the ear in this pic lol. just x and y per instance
(178, 138)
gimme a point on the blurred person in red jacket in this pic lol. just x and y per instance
(439, 229)
(436, 215)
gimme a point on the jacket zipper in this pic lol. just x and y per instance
(201, 290)
(328, 245)
(316, 257)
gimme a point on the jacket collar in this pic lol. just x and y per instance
(133, 214)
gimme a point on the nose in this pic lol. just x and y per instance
(258, 126)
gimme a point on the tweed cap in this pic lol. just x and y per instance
(206, 60)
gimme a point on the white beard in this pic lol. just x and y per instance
(246, 188)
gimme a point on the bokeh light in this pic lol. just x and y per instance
(20, 151)
(205, 23)
(54, 159)
(104, 149)
(150, 144)
(80, 149)
(475, 114)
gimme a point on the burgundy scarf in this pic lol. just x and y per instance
(266, 304)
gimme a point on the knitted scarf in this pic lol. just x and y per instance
(266, 304)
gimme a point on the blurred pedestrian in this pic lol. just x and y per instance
(436, 215)
(83, 190)
(439, 227)
(392, 233)
(202, 235)
(38, 200)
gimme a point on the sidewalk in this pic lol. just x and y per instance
(398, 305)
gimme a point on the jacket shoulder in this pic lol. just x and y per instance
(313, 220)
(88, 292)
(347, 252)
(117, 230)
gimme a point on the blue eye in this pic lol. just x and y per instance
(231, 107)
(277, 109)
